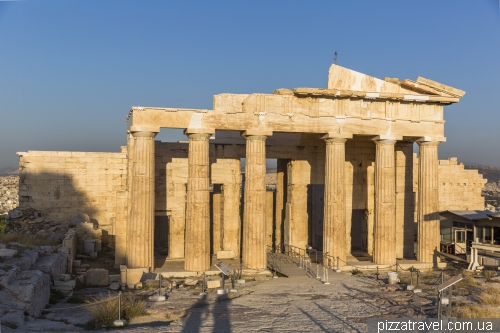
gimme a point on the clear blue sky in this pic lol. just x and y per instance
(71, 70)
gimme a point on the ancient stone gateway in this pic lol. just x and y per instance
(345, 173)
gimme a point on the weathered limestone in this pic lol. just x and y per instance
(428, 202)
(121, 228)
(63, 184)
(97, 277)
(226, 171)
(296, 217)
(385, 199)
(177, 175)
(141, 224)
(198, 205)
(254, 215)
(334, 228)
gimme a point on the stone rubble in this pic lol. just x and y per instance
(31, 222)
(29, 273)
(9, 198)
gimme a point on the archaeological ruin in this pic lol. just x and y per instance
(347, 176)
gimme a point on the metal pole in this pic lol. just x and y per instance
(411, 276)
(439, 304)
(159, 289)
(119, 305)
(338, 262)
(418, 277)
(449, 301)
(377, 273)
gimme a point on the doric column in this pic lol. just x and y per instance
(197, 257)
(384, 252)
(428, 202)
(334, 224)
(254, 215)
(140, 233)
(405, 201)
(280, 200)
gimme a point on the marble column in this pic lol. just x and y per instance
(384, 252)
(280, 201)
(197, 251)
(254, 214)
(334, 224)
(140, 231)
(405, 200)
(428, 202)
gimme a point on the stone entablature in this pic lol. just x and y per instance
(366, 106)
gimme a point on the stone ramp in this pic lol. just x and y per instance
(288, 266)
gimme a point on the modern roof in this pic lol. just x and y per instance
(474, 214)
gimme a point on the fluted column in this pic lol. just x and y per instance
(334, 225)
(254, 214)
(280, 200)
(384, 252)
(428, 202)
(140, 233)
(197, 257)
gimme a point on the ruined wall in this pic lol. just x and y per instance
(459, 188)
(64, 184)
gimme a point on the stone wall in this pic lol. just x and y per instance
(64, 184)
(459, 188)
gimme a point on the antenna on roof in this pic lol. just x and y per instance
(335, 58)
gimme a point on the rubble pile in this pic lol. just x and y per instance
(30, 221)
(8, 193)
(26, 275)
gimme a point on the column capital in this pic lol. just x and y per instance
(256, 133)
(428, 143)
(385, 141)
(330, 141)
(189, 131)
(336, 136)
(143, 134)
(198, 136)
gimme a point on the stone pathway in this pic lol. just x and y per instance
(298, 303)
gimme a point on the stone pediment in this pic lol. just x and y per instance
(344, 79)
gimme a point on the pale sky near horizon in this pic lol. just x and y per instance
(71, 70)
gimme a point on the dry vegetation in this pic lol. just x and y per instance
(27, 239)
(105, 310)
